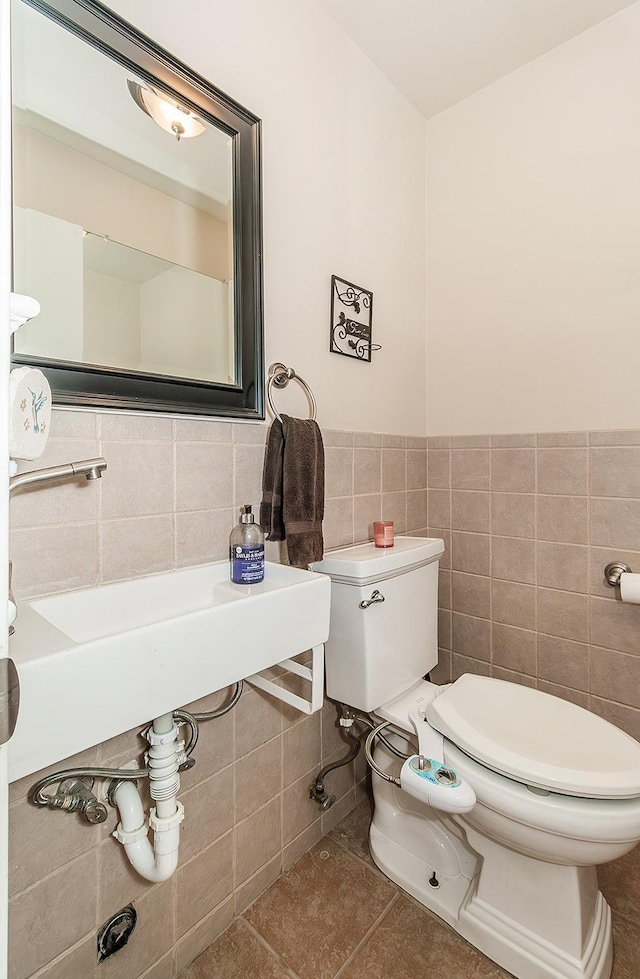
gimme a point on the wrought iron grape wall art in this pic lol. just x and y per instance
(351, 320)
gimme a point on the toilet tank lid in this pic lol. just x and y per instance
(363, 564)
(536, 738)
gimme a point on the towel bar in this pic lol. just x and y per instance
(280, 376)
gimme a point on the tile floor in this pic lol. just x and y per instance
(335, 915)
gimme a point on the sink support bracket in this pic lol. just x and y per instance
(315, 675)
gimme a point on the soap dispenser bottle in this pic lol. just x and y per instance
(246, 550)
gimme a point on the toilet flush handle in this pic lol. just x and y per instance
(376, 596)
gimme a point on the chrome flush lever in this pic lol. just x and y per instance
(376, 596)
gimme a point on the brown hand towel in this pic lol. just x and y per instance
(303, 490)
(271, 506)
(292, 505)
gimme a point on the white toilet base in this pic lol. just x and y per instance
(535, 919)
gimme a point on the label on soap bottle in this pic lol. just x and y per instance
(247, 564)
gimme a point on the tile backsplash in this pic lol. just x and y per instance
(172, 491)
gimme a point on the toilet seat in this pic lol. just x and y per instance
(537, 739)
(559, 747)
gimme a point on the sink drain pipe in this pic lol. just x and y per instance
(158, 861)
(166, 757)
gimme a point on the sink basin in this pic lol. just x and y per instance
(96, 662)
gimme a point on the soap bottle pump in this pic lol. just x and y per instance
(246, 550)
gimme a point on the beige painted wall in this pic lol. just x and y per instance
(533, 218)
(112, 320)
(48, 265)
(343, 179)
(52, 178)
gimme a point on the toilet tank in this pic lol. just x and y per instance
(374, 654)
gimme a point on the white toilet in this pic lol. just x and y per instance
(557, 788)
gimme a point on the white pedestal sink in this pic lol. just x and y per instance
(96, 662)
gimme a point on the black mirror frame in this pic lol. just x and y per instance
(103, 387)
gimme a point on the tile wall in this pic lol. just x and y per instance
(530, 522)
(169, 499)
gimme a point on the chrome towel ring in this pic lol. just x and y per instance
(279, 375)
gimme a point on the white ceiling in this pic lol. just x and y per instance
(438, 52)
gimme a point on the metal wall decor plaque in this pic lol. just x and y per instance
(351, 319)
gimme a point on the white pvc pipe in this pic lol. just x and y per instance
(163, 724)
(155, 862)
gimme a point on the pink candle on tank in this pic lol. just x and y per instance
(383, 533)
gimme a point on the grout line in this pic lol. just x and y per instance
(256, 934)
(626, 917)
(150, 972)
(93, 849)
(44, 969)
(356, 856)
(173, 951)
(364, 941)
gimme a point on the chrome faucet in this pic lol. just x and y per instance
(89, 468)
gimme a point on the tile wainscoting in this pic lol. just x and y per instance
(169, 499)
(529, 523)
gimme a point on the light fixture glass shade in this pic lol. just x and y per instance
(169, 115)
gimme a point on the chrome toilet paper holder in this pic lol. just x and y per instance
(613, 571)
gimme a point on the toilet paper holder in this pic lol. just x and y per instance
(613, 571)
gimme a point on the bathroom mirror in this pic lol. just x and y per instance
(137, 219)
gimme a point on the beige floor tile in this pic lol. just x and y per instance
(626, 949)
(620, 883)
(237, 954)
(313, 919)
(409, 943)
(316, 915)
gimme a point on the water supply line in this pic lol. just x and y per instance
(193, 720)
(39, 797)
(376, 732)
(317, 791)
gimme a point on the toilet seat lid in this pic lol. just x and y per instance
(537, 739)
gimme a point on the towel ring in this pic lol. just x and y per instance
(280, 376)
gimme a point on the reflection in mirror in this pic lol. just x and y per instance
(125, 200)
(131, 303)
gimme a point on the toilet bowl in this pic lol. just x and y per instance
(557, 788)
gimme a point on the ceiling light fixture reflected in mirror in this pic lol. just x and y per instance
(170, 116)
